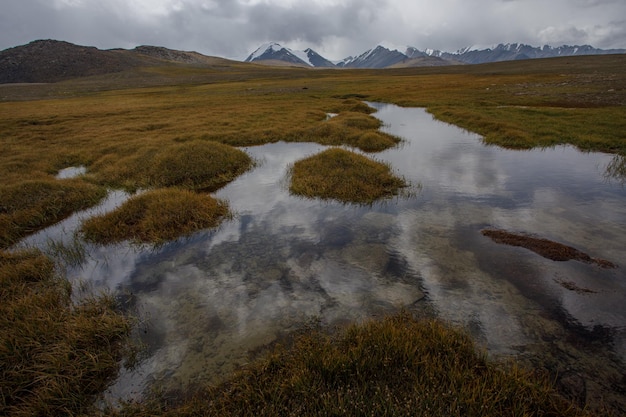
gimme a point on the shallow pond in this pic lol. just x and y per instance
(207, 300)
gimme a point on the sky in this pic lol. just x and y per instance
(334, 28)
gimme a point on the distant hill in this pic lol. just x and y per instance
(425, 61)
(46, 61)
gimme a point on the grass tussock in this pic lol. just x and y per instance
(345, 176)
(56, 356)
(28, 206)
(355, 129)
(398, 366)
(157, 216)
(198, 165)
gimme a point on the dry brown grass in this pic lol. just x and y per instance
(56, 356)
(157, 216)
(30, 205)
(397, 366)
(344, 176)
(117, 131)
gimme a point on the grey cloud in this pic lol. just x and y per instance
(233, 28)
(315, 23)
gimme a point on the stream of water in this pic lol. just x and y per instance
(209, 299)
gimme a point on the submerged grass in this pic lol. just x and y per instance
(544, 247)
(345, 176)
(397, 366)
(56, 356)
(156, 216)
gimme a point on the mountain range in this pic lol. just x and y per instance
(382, 57)
(45, 61)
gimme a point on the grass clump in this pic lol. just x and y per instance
(345, 176)
(350, 128)
(398, 366)
(198, 165)
(28, 206)
(56, 356)
(157, 216)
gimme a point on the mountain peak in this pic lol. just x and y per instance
(377, 57)
(275, 52)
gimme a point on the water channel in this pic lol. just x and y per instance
(209, 299)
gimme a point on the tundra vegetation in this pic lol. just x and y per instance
(397, 366)
(57, 356)
(141, 128)
(345, 176)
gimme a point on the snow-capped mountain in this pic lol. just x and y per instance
(413, 52)
(316, 60)
(382, 57)
(274, 51)
(378, 57)
(515, 51)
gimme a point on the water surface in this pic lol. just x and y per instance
(207, 300)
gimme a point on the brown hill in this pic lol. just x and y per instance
(182, 57)
(49, 61)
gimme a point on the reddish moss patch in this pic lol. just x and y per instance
(544, 247)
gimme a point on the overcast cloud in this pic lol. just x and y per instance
(334, 28)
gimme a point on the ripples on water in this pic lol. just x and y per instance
(209, 299)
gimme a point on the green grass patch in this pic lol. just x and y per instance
(397, 366)
(31, 205)
(345, 176)
(56, 356)
(157, 216)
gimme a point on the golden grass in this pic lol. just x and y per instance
(30, 205)
(119, 131)
(397, 366)
(345, 176)
(157, 216)
(119, 125)
(56, 356)
(351, 128)
(197, 165)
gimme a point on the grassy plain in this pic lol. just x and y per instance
(119, 125)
